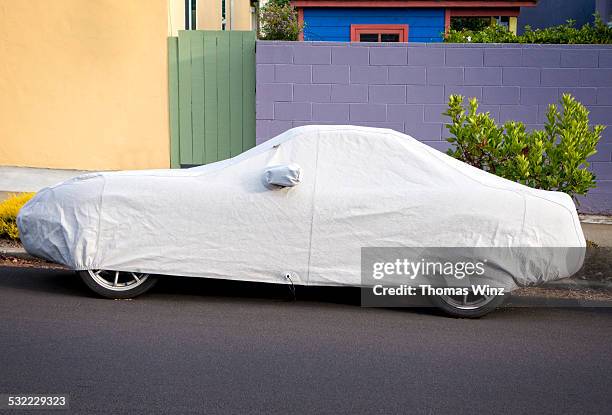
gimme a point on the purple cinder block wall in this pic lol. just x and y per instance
(405, 87)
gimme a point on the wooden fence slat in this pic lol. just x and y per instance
(173, 101)
(223, 94)
(248, 90)
(197, 96)
(184, 52)
(210, 97)
(235, 75)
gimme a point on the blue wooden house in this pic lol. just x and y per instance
(396, 20)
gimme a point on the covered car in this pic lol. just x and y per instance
(299, 206)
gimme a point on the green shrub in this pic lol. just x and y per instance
(8, 215)
(552, 159)
(279, 21)
(597, 33)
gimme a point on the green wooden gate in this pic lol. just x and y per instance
(212, 95)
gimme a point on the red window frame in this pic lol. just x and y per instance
(395, 29)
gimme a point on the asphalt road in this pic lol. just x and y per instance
(215, 347)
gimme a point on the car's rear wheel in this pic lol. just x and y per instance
(117, 284)
(467, 306)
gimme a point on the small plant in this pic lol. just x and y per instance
(551, 159)
(279, 21)
(597, 33)
(8, 215)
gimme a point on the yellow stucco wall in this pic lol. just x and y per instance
(83, 84)
(210, 15)
(242, 15)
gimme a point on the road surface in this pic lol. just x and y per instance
(200, 346)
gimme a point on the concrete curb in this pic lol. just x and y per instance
(569, 283)
(595, 219)
(17, 253)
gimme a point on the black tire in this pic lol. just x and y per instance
(126, 292)
(452, 310)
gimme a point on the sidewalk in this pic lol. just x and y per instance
(28, 179)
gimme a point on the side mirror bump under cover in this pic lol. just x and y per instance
(284, 175)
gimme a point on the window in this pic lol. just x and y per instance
(503, 21)
(379, 33)
(190, 14)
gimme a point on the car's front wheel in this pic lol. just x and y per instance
(117, 284)
(467, 306)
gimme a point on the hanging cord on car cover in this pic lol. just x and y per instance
(290, 286)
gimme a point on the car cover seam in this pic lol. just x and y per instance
(312, 204)
(97, 252)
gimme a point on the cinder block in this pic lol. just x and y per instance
(467, 91)
(298, 74)
(605, 58)
(368, 75)
(368, 112)
(312, 55)
(437, 75)
(500, 94)
(387, 94)
(501, 56)
(274, 54)
(264, 110)
(407, 75)
(274, 92)
(381, 55)
(584, 95)
(542, 111)
(311, 93)
(596, 77)
(607, 134)
(482, 76)
(541, 58)
(464, 56)
(264, 73)
(347, 55)
(424, 131)
(524, 113)
(603, 170)
(433, 113)
(425, 94)
(521, 76)
(402, 112)
(559, 77)
(338, 113)
(538, 95)
(330, 74)
(604, 96)
(604, 152)
(278, 127)
(426, 56)
(600, 114)
(573, 58)
(262, 131)
(293, 111)
(442, 145)
(349, 93)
